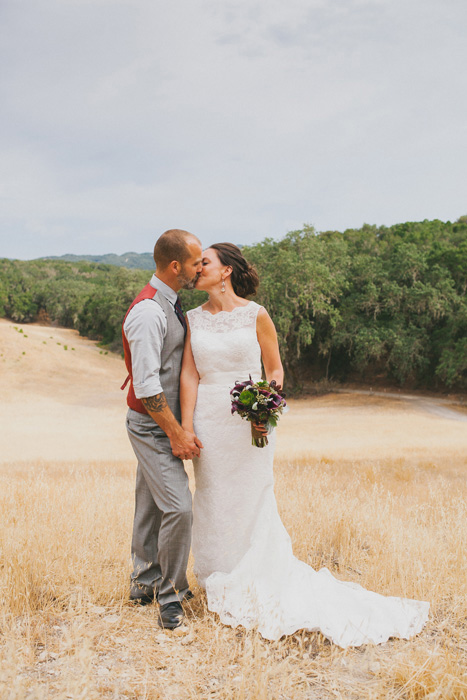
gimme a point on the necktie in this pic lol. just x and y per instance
(179, 312)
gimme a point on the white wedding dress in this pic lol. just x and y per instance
(243, 554)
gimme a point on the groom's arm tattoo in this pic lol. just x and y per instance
(156, 403)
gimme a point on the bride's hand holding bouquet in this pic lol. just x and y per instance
(260, 403)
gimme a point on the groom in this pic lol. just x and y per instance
(153, 338)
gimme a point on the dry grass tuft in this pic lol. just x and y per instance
(395, 526)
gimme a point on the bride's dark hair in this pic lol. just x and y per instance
(244, 277)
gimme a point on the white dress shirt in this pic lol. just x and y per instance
(145, 329)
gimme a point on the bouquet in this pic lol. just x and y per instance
(258, 402)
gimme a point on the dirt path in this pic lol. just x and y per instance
(449, 409)
(61, 397)
(61, 401)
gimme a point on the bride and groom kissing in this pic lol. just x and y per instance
(180, 373)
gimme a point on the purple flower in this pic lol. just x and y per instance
(268, 403)
(240, 386)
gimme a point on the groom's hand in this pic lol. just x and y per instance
(185, 444)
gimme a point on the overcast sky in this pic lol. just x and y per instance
(235, 120)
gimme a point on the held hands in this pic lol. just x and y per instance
(185, 444)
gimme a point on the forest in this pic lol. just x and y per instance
(373, 305)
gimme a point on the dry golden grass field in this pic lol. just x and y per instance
(372, 487)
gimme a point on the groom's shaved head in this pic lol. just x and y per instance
(173, 245)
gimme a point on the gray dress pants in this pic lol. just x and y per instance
(163, 516)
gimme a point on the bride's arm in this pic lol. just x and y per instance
(267, 338)
(189, 380)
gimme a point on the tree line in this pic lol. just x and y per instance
(373, 303)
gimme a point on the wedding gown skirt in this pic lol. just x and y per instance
(243, 554)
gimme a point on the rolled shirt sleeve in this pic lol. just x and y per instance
(145, 329)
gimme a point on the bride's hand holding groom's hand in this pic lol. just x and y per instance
(185, 444)
(190, 431)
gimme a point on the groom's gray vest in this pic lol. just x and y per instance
(171, 355)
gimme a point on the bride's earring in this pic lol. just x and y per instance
(223, 286)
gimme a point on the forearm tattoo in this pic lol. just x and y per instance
(156, 404)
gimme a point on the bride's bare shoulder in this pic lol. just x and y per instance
(262, 312)
(264, 323)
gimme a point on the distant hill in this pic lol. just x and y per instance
(138, 261)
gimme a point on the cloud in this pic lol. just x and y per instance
(123, 118)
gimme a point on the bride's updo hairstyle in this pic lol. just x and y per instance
(244, 277)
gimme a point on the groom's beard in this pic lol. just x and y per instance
(188, 282)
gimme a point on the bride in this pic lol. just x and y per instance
(243, 554)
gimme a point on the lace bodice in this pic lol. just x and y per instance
(225, 346)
